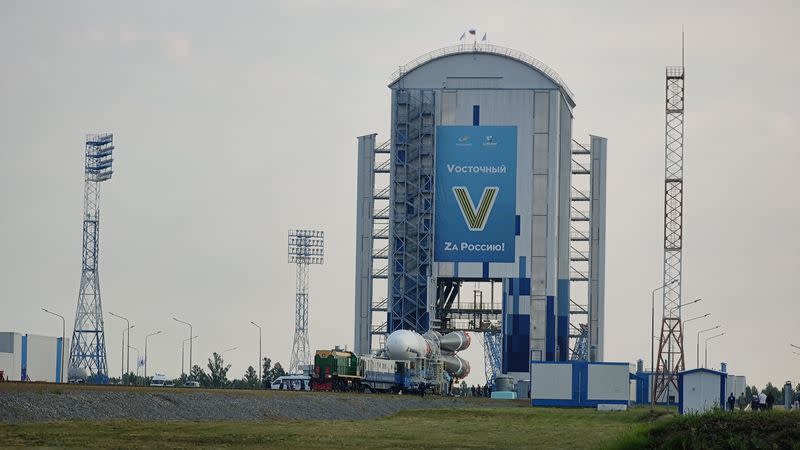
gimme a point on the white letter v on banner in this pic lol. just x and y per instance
(475, 216)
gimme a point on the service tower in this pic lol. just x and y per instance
(477, 191)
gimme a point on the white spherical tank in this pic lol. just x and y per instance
(406, 344)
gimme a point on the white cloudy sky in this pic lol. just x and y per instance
(235, 121)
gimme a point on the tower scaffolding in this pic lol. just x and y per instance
(305, 247)
(88, 347)
(670, 347)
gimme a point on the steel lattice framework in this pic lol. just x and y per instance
(411, 216)
(670, 348)
(88, 348)
(492, 354)
(305, 247)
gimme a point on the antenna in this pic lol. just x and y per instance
(682, 46)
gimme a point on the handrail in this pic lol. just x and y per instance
(483, 48)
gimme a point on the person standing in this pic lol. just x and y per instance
(731, 402)
(762, 401)
(742, 402)
(770, 400)
(754, 403)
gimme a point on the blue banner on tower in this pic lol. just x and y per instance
(476, 194)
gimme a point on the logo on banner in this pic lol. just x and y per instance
(476, 216)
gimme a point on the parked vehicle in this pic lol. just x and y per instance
(292, 383)
(158, 380)
(192, 384)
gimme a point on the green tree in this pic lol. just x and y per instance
(239, 384)
(217, 371)
(277, 371)
(776, 393)
(198, 374)
(251, 378)
(266, 372)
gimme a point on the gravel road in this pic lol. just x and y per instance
(206, 405)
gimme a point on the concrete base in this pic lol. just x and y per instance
(611, 407)
(504, 395)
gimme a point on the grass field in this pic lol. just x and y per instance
(470, 428)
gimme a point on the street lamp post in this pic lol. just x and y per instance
(183, 345)
(260, 366)
(128, 356)
(698, 342)
(653, 322)
(138, 358)
(190, 339)
(63, 343)
(227, 350)
(145, 350)
(695, 318)
(705, 362)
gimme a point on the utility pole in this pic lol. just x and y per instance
(63, 343)
(145, 350)
(190, 340)
(260, 363)
(128, 356)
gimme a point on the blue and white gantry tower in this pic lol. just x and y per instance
(475, 187)
(88, 350)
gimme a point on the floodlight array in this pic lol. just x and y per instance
(306, 246)
(99, 150)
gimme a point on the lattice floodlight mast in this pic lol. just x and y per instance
(305, 247)
(88, 348)
(670, 348)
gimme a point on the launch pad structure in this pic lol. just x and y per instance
(539, 268)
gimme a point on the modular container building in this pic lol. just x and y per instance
(580, 384)
(31, 357)
(701, 390)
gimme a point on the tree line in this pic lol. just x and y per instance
(776, 391)
(215, 375)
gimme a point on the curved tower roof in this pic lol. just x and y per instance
(489, 49)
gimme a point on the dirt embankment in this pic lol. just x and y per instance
(53, 403)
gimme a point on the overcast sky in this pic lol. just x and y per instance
(235, 121)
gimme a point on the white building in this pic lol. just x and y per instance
(580, 384)
(31, 357)
(701, 390)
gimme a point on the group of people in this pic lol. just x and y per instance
(478, 391)
(759, 402)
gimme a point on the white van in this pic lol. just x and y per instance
(292, 383)
(158, 380)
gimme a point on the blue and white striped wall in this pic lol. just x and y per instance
(579, 384)
(32, 357)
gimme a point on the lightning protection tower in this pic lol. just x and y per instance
(670, 347)
(305, 247)
(88, 350)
